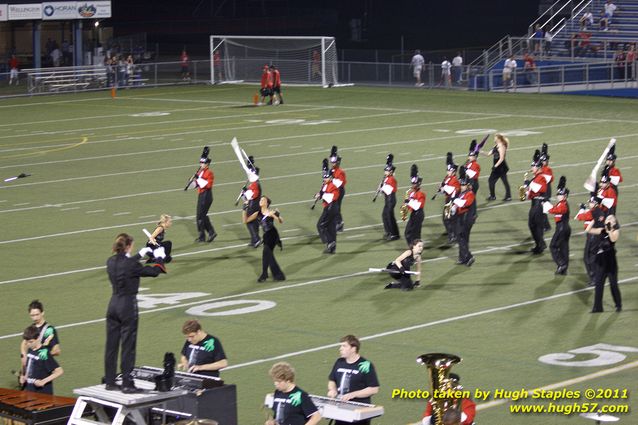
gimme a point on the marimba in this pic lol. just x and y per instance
(26, 407)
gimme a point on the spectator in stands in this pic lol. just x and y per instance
(67, 57)
(121, 71)
(529, 68)
(537, 38)
(416, 64)
(49, 46)
(548, 42)
(584, 45)
(604, 21)
(608, 12)
(630, 58)
(457, 68)
(446, 73)
(13, 67)
(619, 59)
(508, 68)
(130, 67)
(56, 56)
(586, 20)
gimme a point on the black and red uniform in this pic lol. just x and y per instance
(548, 173)
(473, 172)
(468, 412)
(266, 84)
(596, 215)
(450, 187)
(465, 207)
(204, 181)
(252, 194)
(276, 84)
(327, 224)
(339, 180)
(609, 198)
(615, 178)
(389, 189)
(536, 193)
(559, 246)
(416, 203)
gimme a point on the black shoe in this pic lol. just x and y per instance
(407, 288)
(330, 248)
(491, 198)
(262, 278)
(391, 285)
(340, 227)
(470, 262)
(459, 262)
(618, 309)
(130, 389)
(416, 285)
(256, 244)
(111, 387)
(394, 238)
(507, 199)
(211, 237)
(279, 278)
(596, 311)
(200, 239)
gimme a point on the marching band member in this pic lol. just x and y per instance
(591, 213)
(615, 178)
(548, 173)
(157, 238)
(472, 167)
(536, 189)
(607, 194)
(353, 378)
(389, 189)
(402, 264)
(450, 186)
(467, 407)
(606, 263)
(500, 168)
(327, 224)
(266, 218)
(339, 180)
(48, 336)
(201, 353)
(291, 405)
(41, 368)
(252, 195)
(414, 203)
(464, 209)
(204, 180)
(559, 246)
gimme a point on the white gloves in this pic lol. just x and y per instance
(159, 253)
(144, 251)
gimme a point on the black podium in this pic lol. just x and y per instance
(219, 404)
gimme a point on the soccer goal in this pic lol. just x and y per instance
(301, 60)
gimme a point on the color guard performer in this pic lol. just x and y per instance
(536, 189)
(251, 193)
(559, 246)
(500, 167)
(615, 178)
(413, 203)
(450, 187)
(204, 181)
(389, 188)
(464, 209)
(339, 180)
(327, 224)
(266, 218)
(472, 167)
(607, 194)
(157, 238)
(591, 213)
(548, 173)
(410, 257)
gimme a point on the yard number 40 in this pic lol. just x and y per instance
(605, 354)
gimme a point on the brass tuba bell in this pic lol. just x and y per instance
(439, 365)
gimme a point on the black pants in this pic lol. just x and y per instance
(413, 228)
(389, 220)
(342, 194)
(606, 268)
(475, 186)
(403, 281)
(271, 239)
(548, 195)
(204, 201)
(450, 227)
(535, 223)
(589, 256)
(494, 176)
(327, 224)
(559, 246)
(121, 327)
(253, 226)
(464, 223)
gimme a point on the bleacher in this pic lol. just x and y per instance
(65, 78)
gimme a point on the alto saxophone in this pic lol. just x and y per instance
(447, 210)
(404, 207)
(439, 365)
(522, 191)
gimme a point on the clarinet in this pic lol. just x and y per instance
(376, 195)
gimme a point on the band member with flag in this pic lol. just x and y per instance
(414, 203)
(607, 194)
(536, 189)
(266, 218)
(353, 378)
(266, 85)
(464, 209)
(291, 405)
(615, 177)
(40, 368)
(389, 188)
(559, 246)
(500, 168)
(472, 167)
(157, 238)
(591, 213)
(410, 257)
(251, 192)
(548, 173)
(276, 84)
(339, 180)
(450, 187)
(202, 353)
(606, 263)
(204, 179)
(327, 224)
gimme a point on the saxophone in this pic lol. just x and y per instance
(447, 210)
(404, 208)
(439, 365)
(522, 191)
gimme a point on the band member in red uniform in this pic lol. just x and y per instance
(467, 407)
(389, 188)
(266, 84)
(204, 181)
(608, 194)
(548, 173)
(183, 61)
(414, 203)
(472, 167)
(559, 246)
(251, 193)
(327, 224)
(591, 213)
(615, 178)
(536, 189)
(276, 84)
(464, 209)
(450, 187)
(339, 180)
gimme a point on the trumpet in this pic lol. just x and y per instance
(404, 207)
(522, 191)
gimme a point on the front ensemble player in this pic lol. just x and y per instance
(352, 378)
(291, 405)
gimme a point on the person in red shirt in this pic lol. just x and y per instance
(389, 188)
(414, 202)
(450, 187)
(615, 178)
(251, 193)
(276, 85)
(536, 189)
(607, 194)
(559, 246)
(548, 173)
(327, 224)
(464, 209)
(472, 167)
(183, 61)
(339, 180)
(266, 85)
(467, 407)
(204, 182)
(13, 73)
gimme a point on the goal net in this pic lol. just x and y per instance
(300, 60)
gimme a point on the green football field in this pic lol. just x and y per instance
(101, 166)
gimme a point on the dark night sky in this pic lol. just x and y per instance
(424, 24)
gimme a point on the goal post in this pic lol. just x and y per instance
(301, 60)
